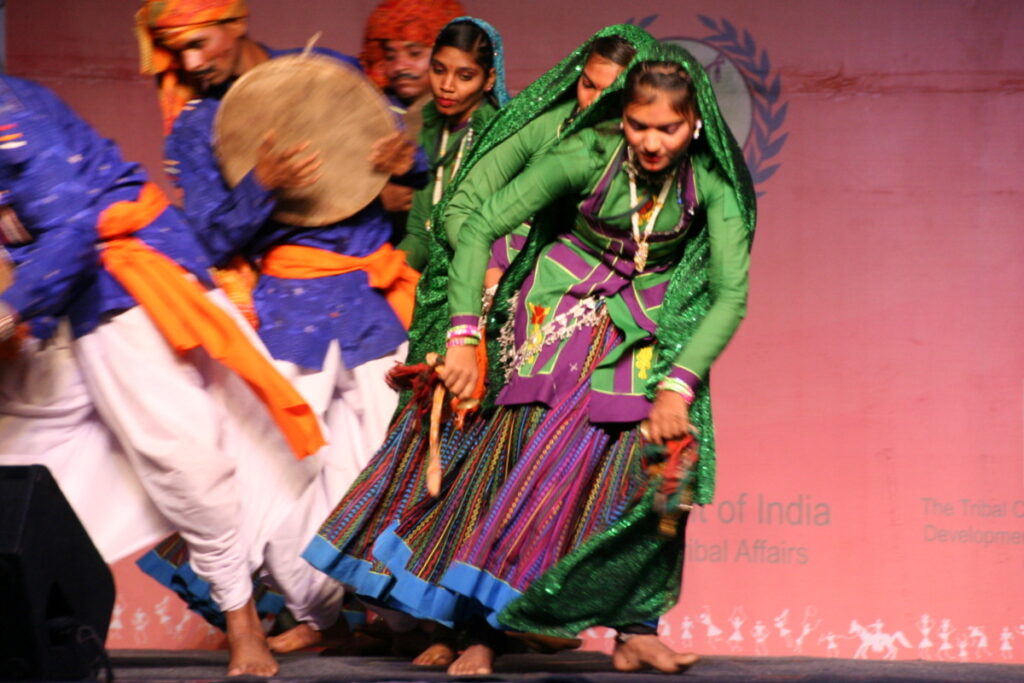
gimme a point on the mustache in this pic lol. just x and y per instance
(406, 75)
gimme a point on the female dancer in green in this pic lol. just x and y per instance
(611, 335)
(510, 146)
(467, 81)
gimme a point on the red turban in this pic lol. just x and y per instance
(416, 21)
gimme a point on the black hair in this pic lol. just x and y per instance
(615, 49)
(468, 37)
(666, 77)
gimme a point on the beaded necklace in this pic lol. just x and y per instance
(641, 238)
(439, 173)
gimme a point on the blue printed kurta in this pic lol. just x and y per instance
(298, 317)
(58, 175)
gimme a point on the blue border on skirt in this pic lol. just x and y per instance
(195, 591)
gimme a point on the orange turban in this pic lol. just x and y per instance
(158, 21)
(417, 21)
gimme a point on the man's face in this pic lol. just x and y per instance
(210, 55)
(406, 65)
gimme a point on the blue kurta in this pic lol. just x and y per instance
(298, 317)
(58, 175)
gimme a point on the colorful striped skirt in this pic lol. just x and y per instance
(523, 486)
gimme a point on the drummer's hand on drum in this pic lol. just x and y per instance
(460, 371)
(396, 198)
(393, 154)
(285, 169)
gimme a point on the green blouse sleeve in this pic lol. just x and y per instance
(569, 168)
(416, 239)
(500, 165)
(728, 268)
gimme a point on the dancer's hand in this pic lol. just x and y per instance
(460, 371)
(669, 418)
(492, 277)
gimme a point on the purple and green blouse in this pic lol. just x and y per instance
(589, 271)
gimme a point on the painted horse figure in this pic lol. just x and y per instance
(875, 640)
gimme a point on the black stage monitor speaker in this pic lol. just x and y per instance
(56, 592)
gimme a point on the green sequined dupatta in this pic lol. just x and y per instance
(627, 575)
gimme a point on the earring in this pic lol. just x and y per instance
(696, 129)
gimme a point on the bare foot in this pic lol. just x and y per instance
(477, 660)
(304, 635)
(640, 652)
(250, 655)
(438, 654)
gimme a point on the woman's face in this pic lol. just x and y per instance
(657, 133)
(458, 83)
(598, 74)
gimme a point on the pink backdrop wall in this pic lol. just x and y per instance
(870, 410)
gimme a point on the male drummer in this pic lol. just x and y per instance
(163, 355)
(334, 335)
(396, 55)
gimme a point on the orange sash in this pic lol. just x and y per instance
(179, 308)
(386, 268)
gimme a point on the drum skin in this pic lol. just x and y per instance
(307, 98)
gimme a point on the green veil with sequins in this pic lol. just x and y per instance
(631, 574)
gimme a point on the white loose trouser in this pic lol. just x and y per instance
(213, 461)
(47, 418)
(356, 405)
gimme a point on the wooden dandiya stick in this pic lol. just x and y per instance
(434, 454)
(434, 443)
(460, 407)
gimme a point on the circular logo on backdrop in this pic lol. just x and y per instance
(748, 92)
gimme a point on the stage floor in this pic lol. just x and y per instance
(570, 667)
